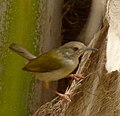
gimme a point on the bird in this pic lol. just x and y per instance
(54, 64)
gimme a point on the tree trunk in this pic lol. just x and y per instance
(49, 24)
(34, 25)
(15, 27)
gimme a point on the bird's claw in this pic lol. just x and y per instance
(64, 96)
(76, 76)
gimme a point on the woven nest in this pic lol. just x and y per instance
(75, 15)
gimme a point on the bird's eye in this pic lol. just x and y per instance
(75, 48)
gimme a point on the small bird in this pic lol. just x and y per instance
(55, 64)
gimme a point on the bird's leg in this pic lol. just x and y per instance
(63, 96)
(75, 76)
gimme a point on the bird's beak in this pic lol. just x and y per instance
(89, 49)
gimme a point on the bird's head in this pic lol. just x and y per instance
(74, 49)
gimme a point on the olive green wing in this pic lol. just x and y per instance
(46, 62)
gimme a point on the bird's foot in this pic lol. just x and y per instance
(63, 96)
(76, 76)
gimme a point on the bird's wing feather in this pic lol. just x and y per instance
(46, 62)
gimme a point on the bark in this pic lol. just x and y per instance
(15, 27)
(49, 24)
(94, 22)
(27, 23)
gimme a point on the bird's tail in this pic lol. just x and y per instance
(21, 51)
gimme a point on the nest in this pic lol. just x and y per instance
(75, 15)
